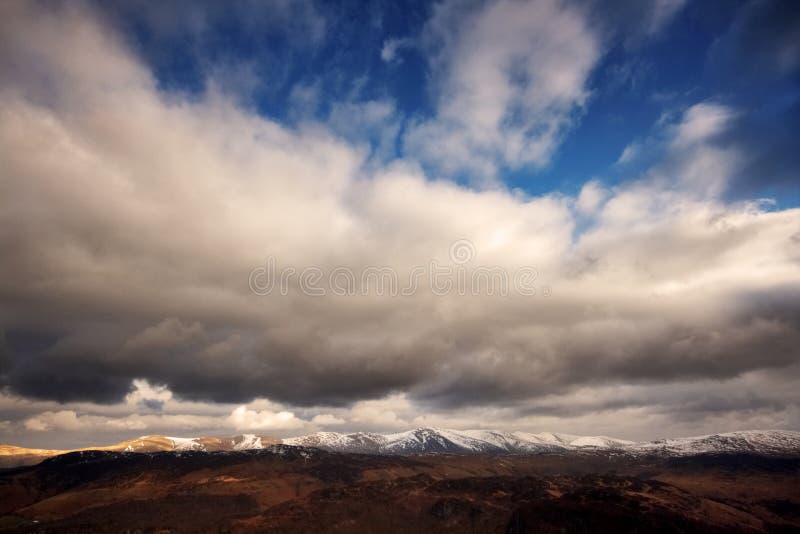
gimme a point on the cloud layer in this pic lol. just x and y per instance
(131, 218)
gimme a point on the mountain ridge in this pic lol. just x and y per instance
(432, 440)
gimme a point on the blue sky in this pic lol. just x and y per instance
(642, 79)
(628, 169)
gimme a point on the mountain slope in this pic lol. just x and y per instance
(283, 488)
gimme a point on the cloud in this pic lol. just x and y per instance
(701, 122)
(761, 42)
(243, 418)
(170, 416)
(628, 154)
(696, 157)
(510, 77)
(326, 419)
(387, 412)
(61, 420)
(690, 148)
(591, 197)
(633, 23)
(149, 397)
(728, 151)
(129, 425)
(376, 121)
(758, 60)
(191, 31)
(128, 246)
(391, 47)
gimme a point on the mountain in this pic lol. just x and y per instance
(440, 440)
(358, 442)
(11, 456)
(446, 441)
(768, 442)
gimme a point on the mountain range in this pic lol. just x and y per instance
(446, 441)
(439, 440)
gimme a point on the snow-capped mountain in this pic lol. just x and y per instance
(753, 441)
(241, 442)
(433, 440)
(362, 442)
(439, 440)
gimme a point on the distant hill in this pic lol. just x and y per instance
(11, 456)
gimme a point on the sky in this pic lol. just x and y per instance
(283, 217)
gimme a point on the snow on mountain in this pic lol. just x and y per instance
(755, 441)
(357, 442)
(439, 440)
(442, 440)
(431, 440)
(246, 442)
(210, 444)
(186, 444)
(600, 442)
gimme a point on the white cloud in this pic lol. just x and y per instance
(392, 46)
(327, 419)
(148, 397)
(629, 154)
(61, 420)
(243, 418)
(661, 12)
(511, 76)
(694, 158)
(700, 123)
(386, 413)
(591, 197)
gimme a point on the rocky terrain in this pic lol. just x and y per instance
(282, 488)
(423, 480)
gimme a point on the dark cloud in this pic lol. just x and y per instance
(762, 44)
(621, 353)
(758, 58)
(462, 363)
(768, 141)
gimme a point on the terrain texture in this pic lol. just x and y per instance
(285, 488)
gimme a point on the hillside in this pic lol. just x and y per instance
(283, 488)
